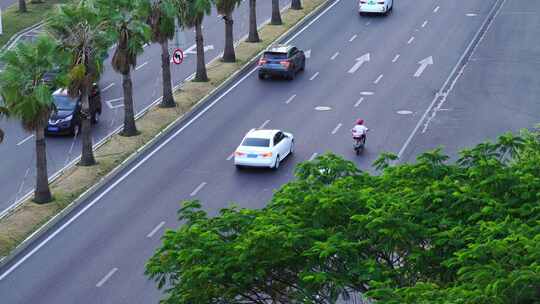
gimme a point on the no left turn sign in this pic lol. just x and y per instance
(178, 56)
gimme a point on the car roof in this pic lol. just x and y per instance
(262, 133)
(280, 48)
(61, 92)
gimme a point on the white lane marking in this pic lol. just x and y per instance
(314, 76)
(359, 62)
(25, 140)
(410, 40)
(368, 23)
(149, 155)
(290, 99)
(107, 87)
(199, 188)
(471, 15)
(336, 128)
(454, 70)
(367, 93)
(396, 58)
(313, 156)
(353, 37)
(404, 112)
(425, 23)
(264, 124)
(151, 234)
(423, 65)
(334, 56)
(378, 79)
(106, 277)
(142, 65)
(110, 102)
(359, 102)
(322, 108)
(230, 156)
(307, 54)
(436, 9)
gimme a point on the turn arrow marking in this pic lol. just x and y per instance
(423, 65)
(359, 62)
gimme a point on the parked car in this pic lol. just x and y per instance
(264, 148)
(375, 6)
(66, 118)
(282, 60)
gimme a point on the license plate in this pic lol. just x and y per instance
(53, 129)
(252, 155)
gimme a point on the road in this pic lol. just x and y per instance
(97, 254)
(17, 173)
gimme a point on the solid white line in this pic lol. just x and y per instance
(140, 66)
(359, 102)
(396, 58)
(25, 140)
(436, 9)
(410, 40)
(151, 234)
(314, 76)
(106, 277)
(336, 128)
(367, 93)
(199, 187)
(454, 70)
(313, 156)
(352, 38)
(290, 99)
(425, 23)
(378, 79)
(264, 124)
(107, 87)
(149, 155)
(334, 56)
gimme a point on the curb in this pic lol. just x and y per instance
(155, 140)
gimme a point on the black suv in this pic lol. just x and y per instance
(282, 60)
(66, 118)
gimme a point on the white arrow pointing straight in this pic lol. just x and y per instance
(307, 53)
(423, 65)
(359, 62)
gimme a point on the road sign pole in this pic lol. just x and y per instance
(1, 21)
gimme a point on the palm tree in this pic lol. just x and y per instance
(296, 5)
(253, 33)
(161, 21)
(126, 24)
(191, 14)
(226, 8)
(78, 29)
(27, 97)
(3, 112)
(276, 13)
(22, 6)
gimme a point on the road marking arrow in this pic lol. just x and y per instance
(359, 62)
(307, 53)
(423, 65)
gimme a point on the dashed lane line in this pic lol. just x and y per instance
(106, 277)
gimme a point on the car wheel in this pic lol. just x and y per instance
(291, 75)
(239, 167)
(261, 76)
(303, 66)
(291, 150)
(276, 164)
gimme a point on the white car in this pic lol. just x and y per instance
(263, 148)
(375, 6)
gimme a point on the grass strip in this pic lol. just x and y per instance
(29, 217)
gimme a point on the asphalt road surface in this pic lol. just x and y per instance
(17, 170)
(97, 254)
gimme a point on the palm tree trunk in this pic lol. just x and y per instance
(130, 129)
(296, 5)
(228, 54)
(22, 6)
(42, 193)
(87, 157)
(168, 99)
(201, 63)
(276, 14)
(253, 33)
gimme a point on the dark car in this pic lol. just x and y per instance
(282, 60)
(66, 118)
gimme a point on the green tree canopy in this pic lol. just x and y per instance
(432, 231)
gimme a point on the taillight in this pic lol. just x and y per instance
(266, 155)
(239, 154)
(262, 61)
(285, 63)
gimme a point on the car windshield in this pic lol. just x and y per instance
(272, 55)
(256, 142)
(64, 103)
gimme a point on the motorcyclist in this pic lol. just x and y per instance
(359, 131)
